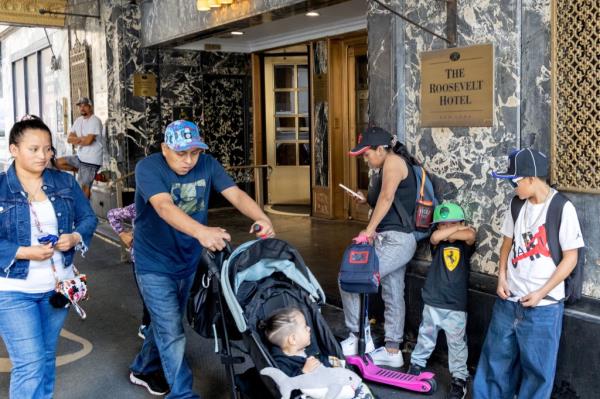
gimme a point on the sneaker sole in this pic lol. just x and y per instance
(136, 381)
(396, 364)
(388, 364)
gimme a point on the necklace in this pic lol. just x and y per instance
(32, 194)
(537, 219)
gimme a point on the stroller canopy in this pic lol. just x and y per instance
(258, 259)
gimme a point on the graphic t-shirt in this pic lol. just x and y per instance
(530, 263)
(92, 153)
(448, 277)
(159, 247)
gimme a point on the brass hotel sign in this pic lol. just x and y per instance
(457, 87)
(144, 85)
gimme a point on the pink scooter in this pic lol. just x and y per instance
(423, 383)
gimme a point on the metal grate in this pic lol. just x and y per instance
(576, 95)
(80, 82)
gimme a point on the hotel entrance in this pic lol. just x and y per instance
(313, 102)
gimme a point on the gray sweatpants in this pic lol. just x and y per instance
(454, 324)
(394, 250)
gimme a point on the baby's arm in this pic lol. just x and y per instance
(311, 365)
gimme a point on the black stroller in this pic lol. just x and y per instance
(235, 290)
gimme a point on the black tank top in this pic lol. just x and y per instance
(406, 195)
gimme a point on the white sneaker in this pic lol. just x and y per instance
(142, 331)
(382, 357)
(350, 344)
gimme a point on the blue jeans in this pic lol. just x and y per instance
(166, 300)
(519, 353)
(30, 326)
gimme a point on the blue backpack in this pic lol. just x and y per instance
(420, 222)
(359, 271)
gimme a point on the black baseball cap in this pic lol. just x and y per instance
(372, 137)
(525, 163)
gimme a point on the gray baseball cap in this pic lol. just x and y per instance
(83, 100)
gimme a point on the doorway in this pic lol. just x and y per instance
(356, 81)
(287, 129)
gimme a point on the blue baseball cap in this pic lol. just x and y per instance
(183, 135)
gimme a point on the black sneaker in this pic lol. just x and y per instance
(414, 369)
(458, 389)
(155, 383)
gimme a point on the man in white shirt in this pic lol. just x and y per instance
(86, 135)
(540, 250)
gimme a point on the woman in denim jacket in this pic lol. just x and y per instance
(36, 201)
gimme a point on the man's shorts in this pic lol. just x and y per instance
(86, 172)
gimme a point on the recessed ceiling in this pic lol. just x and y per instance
(341, 18)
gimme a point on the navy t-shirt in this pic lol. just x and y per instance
(447, 281)
(160, 248)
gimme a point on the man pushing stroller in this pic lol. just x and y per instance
(171, 200)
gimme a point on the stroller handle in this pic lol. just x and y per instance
(214, 259)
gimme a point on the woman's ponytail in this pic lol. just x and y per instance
(400, 149)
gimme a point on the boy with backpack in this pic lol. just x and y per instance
(445, 296)
(539, 252)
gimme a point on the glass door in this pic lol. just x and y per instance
(287, 129)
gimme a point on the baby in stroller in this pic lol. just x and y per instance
(290, 336)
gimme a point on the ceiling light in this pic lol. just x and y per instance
(202, 5)
(312, 14)
(214, 3)
(237, 33)
(226, 1)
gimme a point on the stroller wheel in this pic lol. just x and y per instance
(433, 386)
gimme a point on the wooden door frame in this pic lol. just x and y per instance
(351, 46)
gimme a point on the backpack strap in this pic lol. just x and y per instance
(423, 179)
(553, 219)
(406, 219)
(515, 207)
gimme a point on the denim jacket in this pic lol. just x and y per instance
(73, 213)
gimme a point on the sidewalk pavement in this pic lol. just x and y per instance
(94, 354)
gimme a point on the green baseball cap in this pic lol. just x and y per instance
(448, 212)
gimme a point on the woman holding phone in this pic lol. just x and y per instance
(394, 242)
(44, 218)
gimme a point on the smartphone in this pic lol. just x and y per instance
(48, 239)
(354, 193)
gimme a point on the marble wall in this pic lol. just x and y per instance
(321, 113)
(520, 32)
(209, 88)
